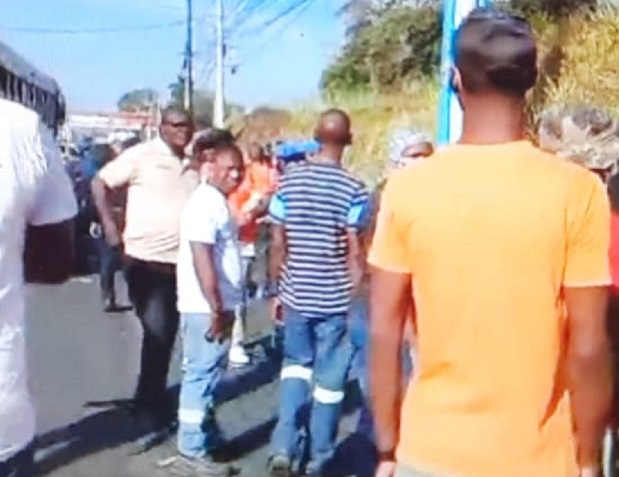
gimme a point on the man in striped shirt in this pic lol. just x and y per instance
(316, 216)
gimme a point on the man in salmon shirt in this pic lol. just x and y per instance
(248, 204)
(507, 248)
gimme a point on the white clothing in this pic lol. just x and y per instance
(206, 219)
(34, 190)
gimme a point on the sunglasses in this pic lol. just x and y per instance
(178, 124)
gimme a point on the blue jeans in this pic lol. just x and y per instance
(316, 359)
(204, 364)
(110, 262)
(359, 338)
(359, 324)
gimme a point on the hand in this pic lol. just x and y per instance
(356, 277)
(112, 237)
(220, 328)
(275, 307)
(386, 469)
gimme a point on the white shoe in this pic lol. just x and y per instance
(238, 357)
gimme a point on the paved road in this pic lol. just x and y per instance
(79, 354)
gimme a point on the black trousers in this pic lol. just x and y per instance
(152, 290)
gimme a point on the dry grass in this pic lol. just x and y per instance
(579, 65)
(590, 66)
(374, 116)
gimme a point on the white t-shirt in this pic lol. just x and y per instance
(206, 219)
(35, 190)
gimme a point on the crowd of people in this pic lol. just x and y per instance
(468, 292)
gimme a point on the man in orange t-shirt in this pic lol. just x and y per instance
(248, 205)
(508, 250)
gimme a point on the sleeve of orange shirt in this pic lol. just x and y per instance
(588, 234)
(389, 245)
(238, 198)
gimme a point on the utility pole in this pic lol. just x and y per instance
(188, 90)
(218, 105)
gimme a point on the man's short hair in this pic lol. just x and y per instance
(496, 51)
(211, 139)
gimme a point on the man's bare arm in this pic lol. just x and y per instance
(100, 195)
(49, 253)
(390, 299)
(277, 252)
(356, 256)
(204, 264)
(589, 369)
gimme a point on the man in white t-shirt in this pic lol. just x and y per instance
(209, 277)
(37, 204)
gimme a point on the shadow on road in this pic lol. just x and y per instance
(113, 427)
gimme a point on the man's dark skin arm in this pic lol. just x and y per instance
(204, 264)
(277, 258)
(390, 299)
(356, 257)
(100, 195)
(277, 251)
(589, 369)
(49, 253)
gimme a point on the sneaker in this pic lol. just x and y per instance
(109, 305)
(197, 467)
(238, 357)
(280, 466)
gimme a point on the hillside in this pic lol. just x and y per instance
(579, 65)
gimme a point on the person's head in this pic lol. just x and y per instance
(495, 66)
(226, 169)
(256, 153)
(206, 143)
(333, 131)
(176, 129)
(407, 147)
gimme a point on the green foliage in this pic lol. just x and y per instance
(555, 8)
(202, 103)
(400, 45)
(138, 100)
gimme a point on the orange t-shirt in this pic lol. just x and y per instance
(259, 180)
(262, 178)
(491, 234)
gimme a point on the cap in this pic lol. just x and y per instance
(400, 139)
(496, 50)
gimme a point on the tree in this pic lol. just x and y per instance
(554, 8)
(138, 100)
(401, 43)
(202, 103)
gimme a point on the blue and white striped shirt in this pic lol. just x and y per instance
(317, 204)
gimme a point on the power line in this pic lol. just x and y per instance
(294, 13)
(85, 31)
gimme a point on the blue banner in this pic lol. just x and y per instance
(450, 114)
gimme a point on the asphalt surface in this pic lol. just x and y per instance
(81, 357)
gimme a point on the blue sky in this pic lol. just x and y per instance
(278, 65)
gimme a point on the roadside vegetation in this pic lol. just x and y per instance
(387, 73)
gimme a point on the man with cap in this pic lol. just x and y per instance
(406, 148)
(508, 247)
(315, 265)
